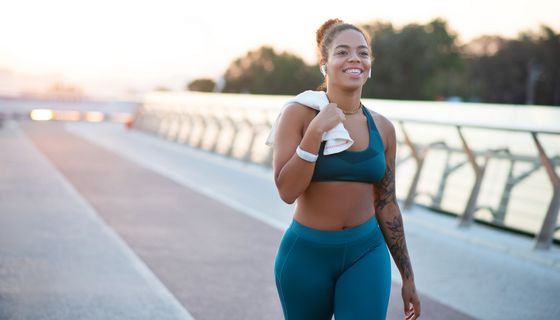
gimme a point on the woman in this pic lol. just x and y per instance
(333, 258)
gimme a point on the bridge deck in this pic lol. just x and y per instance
(99, 222)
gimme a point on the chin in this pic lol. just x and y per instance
(352, 86)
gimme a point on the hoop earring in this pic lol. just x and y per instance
(369, 75)
(324, 70)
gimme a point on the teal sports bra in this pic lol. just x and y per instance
(366, 165)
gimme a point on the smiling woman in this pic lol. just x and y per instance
(333, 258)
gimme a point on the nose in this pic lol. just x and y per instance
(353, 56)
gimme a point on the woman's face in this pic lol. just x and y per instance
(349, 60)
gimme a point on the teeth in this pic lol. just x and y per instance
(353, 71)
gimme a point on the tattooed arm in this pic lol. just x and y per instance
(390, 221)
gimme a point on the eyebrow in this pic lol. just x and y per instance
(348, 47)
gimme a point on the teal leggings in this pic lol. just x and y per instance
(345, 272)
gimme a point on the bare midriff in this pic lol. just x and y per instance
(335, 205)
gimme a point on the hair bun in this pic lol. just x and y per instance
(324, 27)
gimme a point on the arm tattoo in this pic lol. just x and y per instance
(385, 189)
(398, 245)
(392, 220)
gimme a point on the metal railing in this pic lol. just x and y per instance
(237, 125)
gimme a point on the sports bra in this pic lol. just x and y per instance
(366, 165)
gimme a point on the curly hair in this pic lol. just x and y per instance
(329, 30)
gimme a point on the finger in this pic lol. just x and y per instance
(416, 314)
(412, 312)
(411, 316)
(416, 307)
(408, 308)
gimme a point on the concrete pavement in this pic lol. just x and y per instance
(58, 259)
(207, 227)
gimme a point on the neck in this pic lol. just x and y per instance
(348, 101)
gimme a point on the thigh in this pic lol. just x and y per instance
(305, 288)
(362, 291)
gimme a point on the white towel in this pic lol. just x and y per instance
(338, 139)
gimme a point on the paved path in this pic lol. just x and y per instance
(208, 228)
(58, 259)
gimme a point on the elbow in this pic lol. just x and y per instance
(287, 199)
(285, 190)
(285, 194)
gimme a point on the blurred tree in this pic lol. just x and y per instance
(547, 90)
(423, 62)
(203, 85)
(418, 62)
(263, 71)
(517, 71)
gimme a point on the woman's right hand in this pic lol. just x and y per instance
(328, 118)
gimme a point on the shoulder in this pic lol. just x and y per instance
(382, 122)
(298, 109)
(385, 127)
(297, 115)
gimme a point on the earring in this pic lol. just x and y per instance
(324, 70)
(369, 75)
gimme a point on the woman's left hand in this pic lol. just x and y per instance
(411, 301)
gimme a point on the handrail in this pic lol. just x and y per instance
(241, 123)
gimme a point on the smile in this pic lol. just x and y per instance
(353, 71)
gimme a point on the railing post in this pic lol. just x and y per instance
(479, 170)
(153, 122)
(173, 127)
(162, 124)
(506, 195)
(204, 124)
(235, 126)
(214, 145)
(419, 155)
(511, 182)
(187, 131)
(182, 124)
(545, 235)
(249, 152)
(468, 213)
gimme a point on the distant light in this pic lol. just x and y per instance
(94, 116)
(67, 115)
(41, 114)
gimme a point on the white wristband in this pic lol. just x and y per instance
(307, 156)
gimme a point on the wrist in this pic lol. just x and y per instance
(314, 130)
(305, 155)
(408, 281)
(311, 141)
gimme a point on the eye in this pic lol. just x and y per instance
(341, 52)
(364, 54)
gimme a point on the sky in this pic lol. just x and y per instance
(111, 46)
